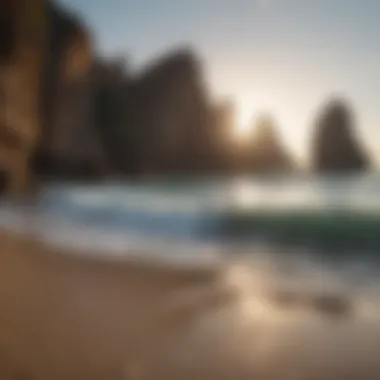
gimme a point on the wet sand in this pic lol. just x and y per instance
(65, 316)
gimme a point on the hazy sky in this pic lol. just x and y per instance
(285, 56)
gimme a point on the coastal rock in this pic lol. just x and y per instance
(110, 80)
(336, 148)
(168, 113)
(69, 146)
(22, 44)
(7, 36)
(45, 112)
(268, 153)
(224, 154)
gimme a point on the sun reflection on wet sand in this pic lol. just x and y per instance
(160, 322)
(303, 340)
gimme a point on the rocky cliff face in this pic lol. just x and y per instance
(22, 44)
(45, 90)
(268, 153)
(335, 147)
(167, 112)
(110, 105)
(69, 146)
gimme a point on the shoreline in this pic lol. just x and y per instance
(68, 314)
(69, 317)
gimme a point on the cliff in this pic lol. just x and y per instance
(167, 115)
(69, 146)
(46, 125)
(110, 104)
(336, 148)
(22, 45)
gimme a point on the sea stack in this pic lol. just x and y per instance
(336, 147)
(268, 153)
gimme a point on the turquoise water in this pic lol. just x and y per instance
(335, 217)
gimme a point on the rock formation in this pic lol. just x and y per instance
(45, 85)
(335, 146)
(69, 145)
(168, 114)
(67, 114)
(224, 154)
(110, 106)
(268, 153)
(22, 43)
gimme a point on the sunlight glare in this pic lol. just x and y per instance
(244, 119)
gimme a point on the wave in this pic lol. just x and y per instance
(333, 230)
(324, 229)
(202, 216)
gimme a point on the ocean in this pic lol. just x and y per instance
(300, 255)
(331, 218)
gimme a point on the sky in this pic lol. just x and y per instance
(286, 57)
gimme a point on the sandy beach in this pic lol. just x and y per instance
(65, 316)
